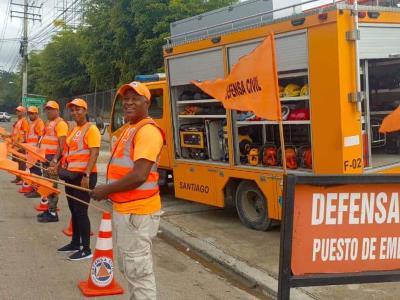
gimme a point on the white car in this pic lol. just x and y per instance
(5, 117)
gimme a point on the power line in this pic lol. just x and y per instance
(56, 18)
(5, 24)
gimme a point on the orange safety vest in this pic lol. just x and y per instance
(122, 162)
(16, 133)
(49, 141)
(33, 138)
(78, 153)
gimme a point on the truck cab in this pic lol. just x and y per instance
(158, 110)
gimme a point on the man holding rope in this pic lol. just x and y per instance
(35, 133)
(53, 141)
(132, 185)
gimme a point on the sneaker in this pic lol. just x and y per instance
(19, 182)
(32, 194)
(41, 214)
(47, 217)
(69, 248)
(81, 255)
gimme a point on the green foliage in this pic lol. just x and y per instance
(119, 39)
(10, 91)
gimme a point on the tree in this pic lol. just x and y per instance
(10, 91)
(118, 39)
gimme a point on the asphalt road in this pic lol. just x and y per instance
(32, 269)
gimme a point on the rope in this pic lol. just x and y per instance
(88, 204)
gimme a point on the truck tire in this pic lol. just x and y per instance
(252, 207)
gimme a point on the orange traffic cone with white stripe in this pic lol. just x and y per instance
(26, 188)
(70, 229)
(101, 280)
(43, 205)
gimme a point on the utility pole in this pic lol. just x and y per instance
(25, 52)
(27, 13)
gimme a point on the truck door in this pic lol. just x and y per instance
(158, 111)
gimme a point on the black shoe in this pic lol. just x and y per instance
(69, 248)
(47, 218)
(32, 194)
(42, 214)
(81, 255)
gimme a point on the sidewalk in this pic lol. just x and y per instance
(218, 235)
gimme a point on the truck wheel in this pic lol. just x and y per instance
(252, 207)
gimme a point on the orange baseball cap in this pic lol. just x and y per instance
(20, 108)
(77, 102)
(138, 87)
(33, 109)
(52, 104)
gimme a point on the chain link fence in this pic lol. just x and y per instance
(99, 105)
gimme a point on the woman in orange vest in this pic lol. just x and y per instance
(79, 168)
(19, 134)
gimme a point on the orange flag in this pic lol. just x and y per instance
(3, 151)
(44, 188)
(16, 153)
(34, 153)
(391, 122)
(252, 84)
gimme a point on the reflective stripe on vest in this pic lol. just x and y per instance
(49, 141)
(33, 138)
(78, 154)
(122, 162)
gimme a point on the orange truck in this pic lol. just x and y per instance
(339, 76)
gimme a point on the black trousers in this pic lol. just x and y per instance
(79, 211)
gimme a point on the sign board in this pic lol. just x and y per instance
(33, 101)
(339, 230)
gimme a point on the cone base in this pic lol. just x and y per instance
(88, 292)
(41, 207)
(67, 232)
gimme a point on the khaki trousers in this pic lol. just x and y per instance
(134, 234)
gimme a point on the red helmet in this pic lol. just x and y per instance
(270, 156)
(291, 158)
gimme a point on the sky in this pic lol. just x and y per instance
(10, 49)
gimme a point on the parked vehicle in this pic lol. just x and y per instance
(5, 117)
(219, 156)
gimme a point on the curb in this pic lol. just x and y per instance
(267, 283)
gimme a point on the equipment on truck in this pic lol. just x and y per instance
(270, 155)
(193, 140)
(292, 90)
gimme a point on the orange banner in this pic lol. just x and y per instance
(252, 84)
(346, 228)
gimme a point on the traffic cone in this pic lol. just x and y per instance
(69, 230)
(26, 188)
(43, 205)
(101, 280)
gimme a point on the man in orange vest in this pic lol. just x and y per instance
(35, 133)
(19, 133)
(132, 185)
(53, 141)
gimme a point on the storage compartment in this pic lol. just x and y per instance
(383, 82)
(259, 144)
(199, 124)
